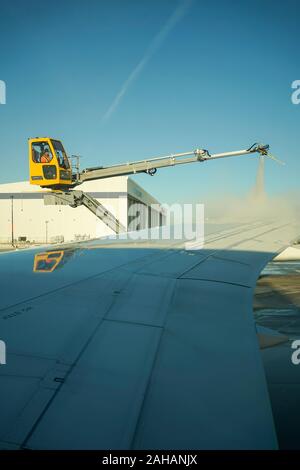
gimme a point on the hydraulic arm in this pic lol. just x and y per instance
(51, 168)
(151, 165)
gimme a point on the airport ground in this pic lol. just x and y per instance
(277, 306)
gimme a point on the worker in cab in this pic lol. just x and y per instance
(46, 155)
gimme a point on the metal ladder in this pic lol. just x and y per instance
(79, 198)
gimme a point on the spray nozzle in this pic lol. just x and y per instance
(263, 150)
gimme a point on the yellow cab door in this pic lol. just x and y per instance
(49, 165)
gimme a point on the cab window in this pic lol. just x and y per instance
(41, 152)
(60, 154)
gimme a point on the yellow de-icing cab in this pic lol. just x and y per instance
(49, 166)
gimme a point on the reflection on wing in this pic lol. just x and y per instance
(48, 261)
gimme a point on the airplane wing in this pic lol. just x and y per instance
(115, 345)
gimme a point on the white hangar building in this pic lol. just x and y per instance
(24, 216)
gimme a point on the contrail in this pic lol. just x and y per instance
(155, 44)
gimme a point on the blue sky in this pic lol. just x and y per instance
(220, 79)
